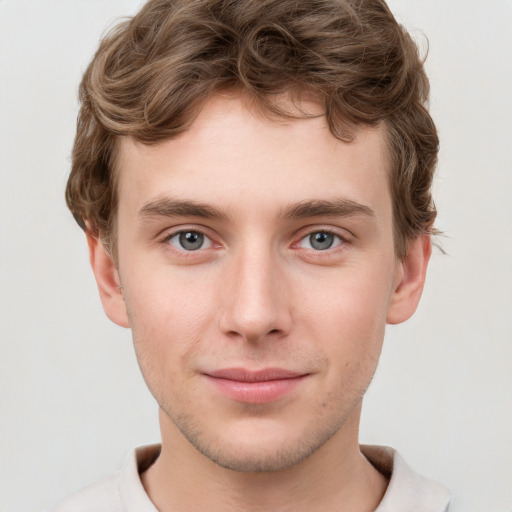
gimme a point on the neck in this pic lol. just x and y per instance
(336, 477)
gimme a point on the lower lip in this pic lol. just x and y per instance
(256, 392)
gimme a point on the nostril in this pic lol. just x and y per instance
(271, 333)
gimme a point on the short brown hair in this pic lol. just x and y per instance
(153, 72)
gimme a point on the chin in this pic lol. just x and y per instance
(259, 446)
(258, 459)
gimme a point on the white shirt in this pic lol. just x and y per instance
(124, 492)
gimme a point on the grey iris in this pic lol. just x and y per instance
(191, 240)
(321, 240)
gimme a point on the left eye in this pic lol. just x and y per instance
(190, 240)
(320, 241)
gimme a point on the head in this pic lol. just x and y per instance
(153, 73)
(254, 178)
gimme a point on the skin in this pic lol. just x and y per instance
(256, 295)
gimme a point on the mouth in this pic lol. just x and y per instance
(255, 387)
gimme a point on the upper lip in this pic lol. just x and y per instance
(245, 375)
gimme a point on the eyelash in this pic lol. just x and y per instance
(339, 241)
(167, 241)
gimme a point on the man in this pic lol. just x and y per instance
(253, 178)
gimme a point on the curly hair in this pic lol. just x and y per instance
(153, 72)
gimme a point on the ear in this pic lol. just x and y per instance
(410, 278)
(107, 279)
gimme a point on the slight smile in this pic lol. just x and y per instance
(255, 387)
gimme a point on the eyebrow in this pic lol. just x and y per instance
(327, 208)
(169, 207)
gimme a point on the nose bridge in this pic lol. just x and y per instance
(255, 304)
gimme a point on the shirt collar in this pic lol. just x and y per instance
(133, 494)
(406, 489)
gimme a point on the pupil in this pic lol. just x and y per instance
(191, 240)
(321, 241)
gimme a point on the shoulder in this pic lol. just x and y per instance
(121, 492)
(103, 496)
(406, 490)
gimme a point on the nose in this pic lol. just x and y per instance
(255, 300)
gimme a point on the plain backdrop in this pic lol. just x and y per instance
(72, 399)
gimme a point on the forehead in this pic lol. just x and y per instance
(235, 156)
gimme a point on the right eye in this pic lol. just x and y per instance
(189, 240)
(321, 241)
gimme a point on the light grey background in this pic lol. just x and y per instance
(72, 400)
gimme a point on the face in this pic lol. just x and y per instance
(257, 269)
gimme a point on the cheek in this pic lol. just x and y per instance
(351, 307)
(169, 315)
(347, 322)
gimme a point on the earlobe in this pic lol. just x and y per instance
(107, 279)
(410, 280)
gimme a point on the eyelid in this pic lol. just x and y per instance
(206, 241)
(335, 244)
(170, 233)
(343, 234)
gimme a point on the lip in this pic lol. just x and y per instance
(255, 387)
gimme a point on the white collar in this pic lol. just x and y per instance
(407, 491)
